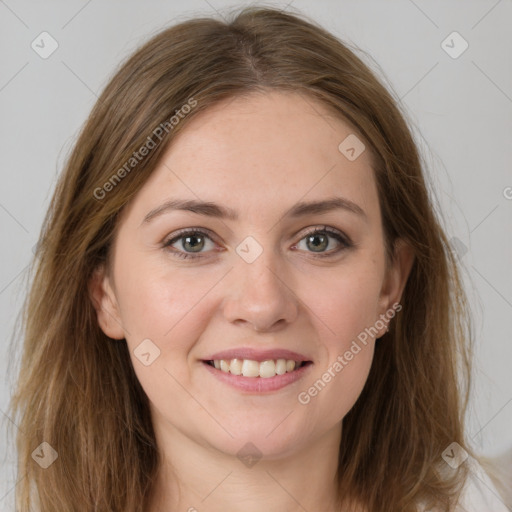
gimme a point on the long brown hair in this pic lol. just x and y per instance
(77, 390)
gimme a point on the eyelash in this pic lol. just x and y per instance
(338, 235)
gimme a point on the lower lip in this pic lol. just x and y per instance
(258, 384)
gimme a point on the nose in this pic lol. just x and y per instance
(257, 295)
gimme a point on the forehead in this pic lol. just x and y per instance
(261, 151)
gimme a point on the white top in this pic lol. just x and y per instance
(480, 494)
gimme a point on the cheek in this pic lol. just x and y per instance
(165, 307)
(169, 310)
(345, 302)
(344, 380)
(338, 380)
(153, 299)
(345, 310)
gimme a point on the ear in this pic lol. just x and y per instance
(397, 273)
(105, 303)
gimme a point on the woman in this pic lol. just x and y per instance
(243, 298)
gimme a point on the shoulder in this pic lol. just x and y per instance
(479, 492)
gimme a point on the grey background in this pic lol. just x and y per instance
(460, 110)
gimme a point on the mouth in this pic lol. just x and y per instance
(257, 369)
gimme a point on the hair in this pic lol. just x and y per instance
(77, 389)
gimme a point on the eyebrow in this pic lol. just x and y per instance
(210, 209)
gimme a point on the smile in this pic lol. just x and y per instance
(256, 377)
(262, 369)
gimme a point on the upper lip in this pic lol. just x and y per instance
(257, 355)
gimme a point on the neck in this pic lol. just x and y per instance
(195, 477)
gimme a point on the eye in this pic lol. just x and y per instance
(193, 240)
(318, 241)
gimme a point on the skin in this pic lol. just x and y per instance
(259, 155)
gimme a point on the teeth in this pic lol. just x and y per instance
(250, 368)
(281, 366)
(267, 369)
(235, 367)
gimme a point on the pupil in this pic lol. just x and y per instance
(200, 244)
(321, 244)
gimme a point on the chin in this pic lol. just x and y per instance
(261, 441)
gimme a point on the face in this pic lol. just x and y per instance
(193, 290)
